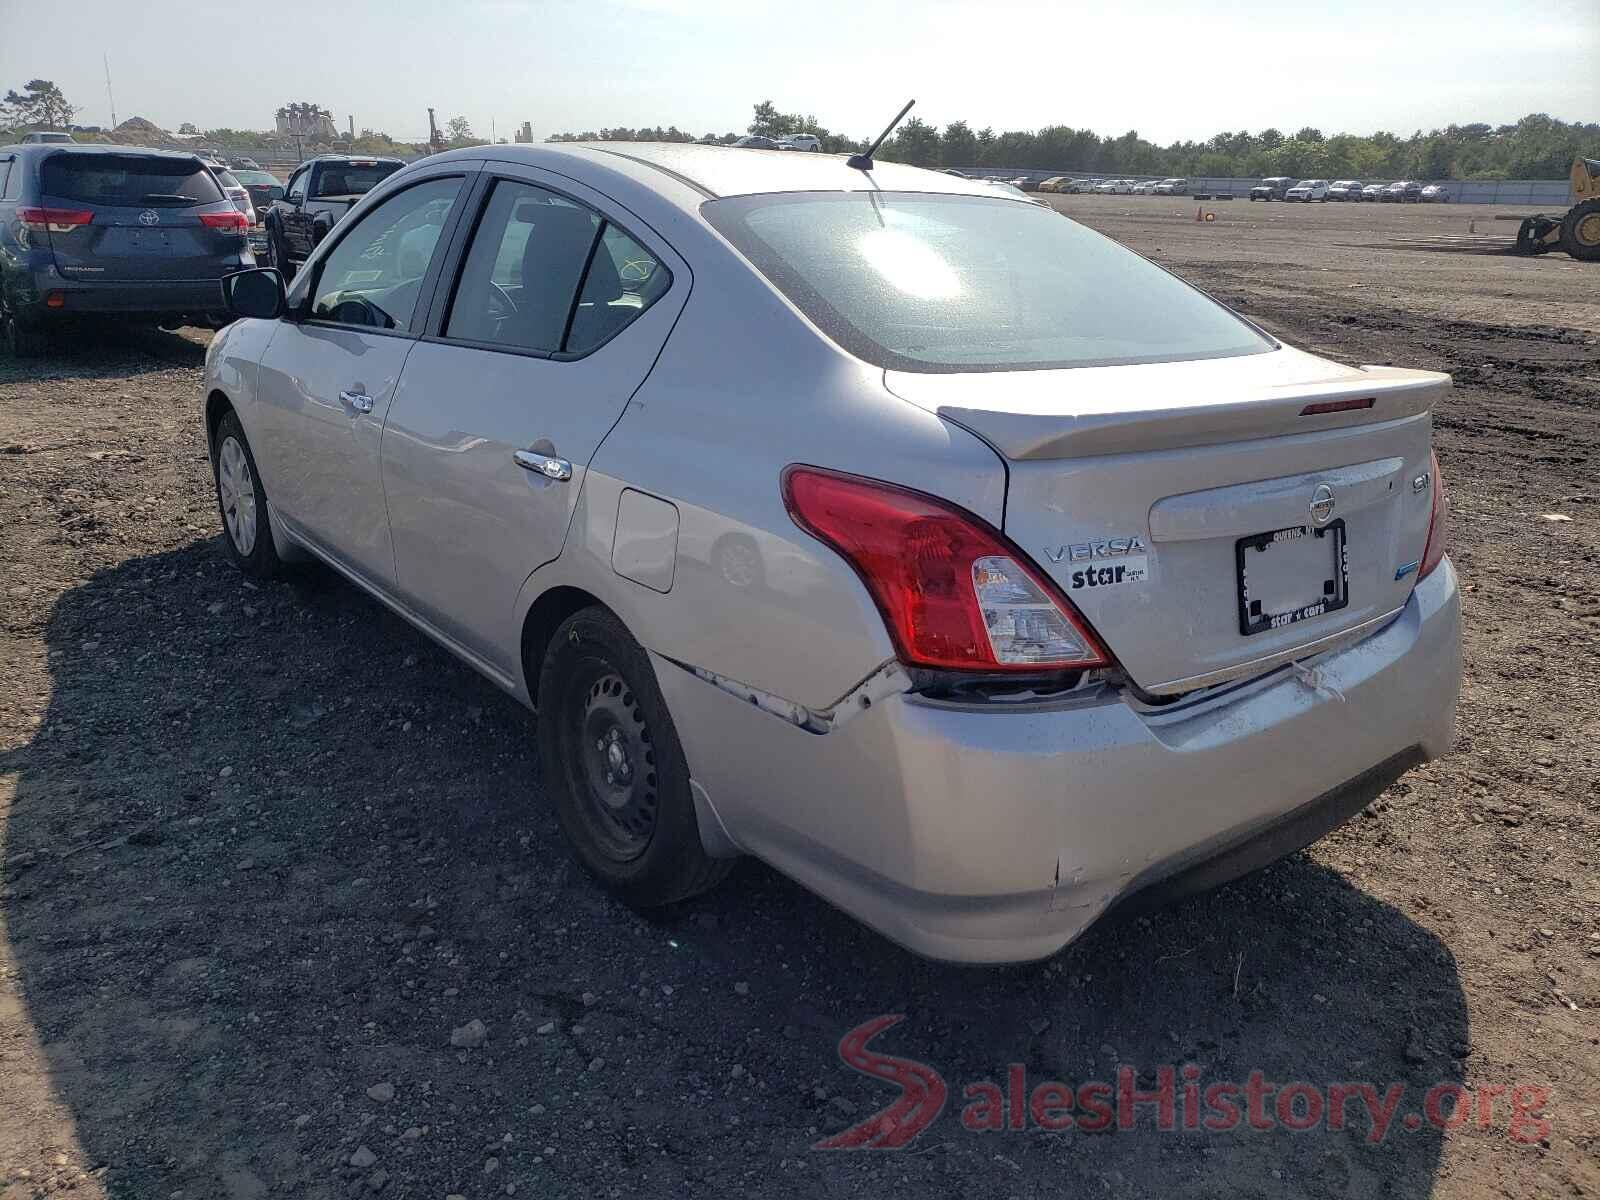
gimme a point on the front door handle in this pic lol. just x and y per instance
(356, 401)
(551, 467)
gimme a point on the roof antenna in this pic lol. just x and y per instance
(863, 162)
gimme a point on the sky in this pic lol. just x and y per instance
(1170, 69)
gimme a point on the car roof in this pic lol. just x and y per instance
(91, 148)
(384, 158)
(717, 171)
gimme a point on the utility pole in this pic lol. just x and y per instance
(109, 97)
(434, 142)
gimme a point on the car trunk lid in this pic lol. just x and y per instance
(1172, 502)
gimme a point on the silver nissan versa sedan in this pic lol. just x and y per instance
(963, 565)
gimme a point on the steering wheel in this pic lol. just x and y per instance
(358, 310)
(501, 305)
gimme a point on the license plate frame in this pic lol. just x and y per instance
(1253, 618)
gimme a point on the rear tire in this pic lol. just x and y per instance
(615, 767)
(21, 340)
(242, 502)
(1580, 231)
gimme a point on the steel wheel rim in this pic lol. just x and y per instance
(236, 491)
(1588, 230)
(616, 768)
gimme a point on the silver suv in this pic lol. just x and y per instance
(965, 566)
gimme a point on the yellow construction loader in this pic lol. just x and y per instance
(1578, 231)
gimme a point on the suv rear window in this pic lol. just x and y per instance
(936, 283)
(128, 181)
(349, 179)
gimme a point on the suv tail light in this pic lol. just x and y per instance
(954, 592)
(54, 220)
(234, 220)
(1438, 522)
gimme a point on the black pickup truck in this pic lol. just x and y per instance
(1273, 187)
(320, 191)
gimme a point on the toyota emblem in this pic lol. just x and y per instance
(149, 217)
(1321, 504)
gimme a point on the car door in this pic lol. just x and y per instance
(295, 216)
(327, 378)
(561, 303)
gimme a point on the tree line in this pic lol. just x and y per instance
(1536, 147)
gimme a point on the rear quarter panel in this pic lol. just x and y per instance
(744, 388)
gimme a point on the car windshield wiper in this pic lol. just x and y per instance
(171, 196)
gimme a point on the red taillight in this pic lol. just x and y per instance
(225, 220)
(1438, 522)
(54, 220)
(954, 592)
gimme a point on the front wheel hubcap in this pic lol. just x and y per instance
(618, 768)
(236, 492)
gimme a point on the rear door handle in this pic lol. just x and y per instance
(558, 469)
(356, 401)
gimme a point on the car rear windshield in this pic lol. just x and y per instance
(128, 181)
(936, 283)
(351, 179)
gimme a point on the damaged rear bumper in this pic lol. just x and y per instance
(998, 832)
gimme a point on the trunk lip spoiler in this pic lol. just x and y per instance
(1257, 411)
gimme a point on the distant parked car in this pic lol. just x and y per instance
(247, 164)
(263, 187)
(802, 141)
(756, 141)
(1172, 187)
(1114, 187)
(1054, 183)
(238, 195)
(1016, 193)
(1372, 193)
(110, 230)
(1144, 187)
(1402, 191)
(45, 137)
(1308, 190)
(1345, 189)
(1272, 187)
(1435, 193)
(1078, 186)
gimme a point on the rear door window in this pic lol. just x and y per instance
(128, 181)
(547, 275)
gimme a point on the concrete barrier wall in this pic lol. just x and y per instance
(1532, 194)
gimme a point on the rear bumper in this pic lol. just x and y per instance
(55, 297)
(996, 834)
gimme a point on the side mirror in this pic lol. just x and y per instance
(254, 293)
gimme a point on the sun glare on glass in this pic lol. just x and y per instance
(909, 265)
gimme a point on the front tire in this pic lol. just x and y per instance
(242, 502)
(1580, 231)
(616, 768)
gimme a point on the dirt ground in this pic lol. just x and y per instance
(263, 850)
